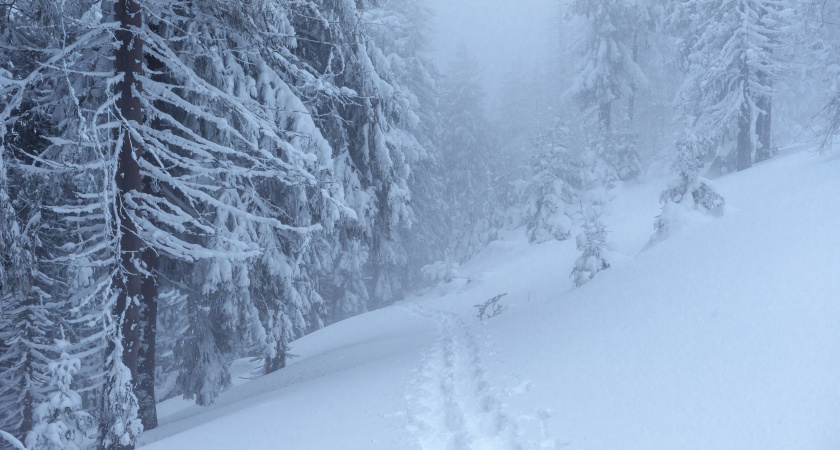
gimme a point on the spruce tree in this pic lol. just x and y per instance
(729, 50)
(608, 73)
(557, 175)
(593, 243)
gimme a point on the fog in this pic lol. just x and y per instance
(498, 33)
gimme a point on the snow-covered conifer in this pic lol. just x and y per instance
(608, 73)
(59, 421)
(593, 243)
(688, 191)
(470, 157)
(729, 57)
(551, 190)
(607, 70)
(400, 28)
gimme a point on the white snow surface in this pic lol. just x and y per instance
(724, 336)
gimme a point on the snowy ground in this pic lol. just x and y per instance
(725, 336)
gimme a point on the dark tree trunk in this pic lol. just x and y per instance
(128, 279)
(744, 149)
(27, 421)
(744, 153)
(604, 116)
(763, 126)
(631, 101)
(144, 388)
(279, 361)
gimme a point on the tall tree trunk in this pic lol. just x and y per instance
(767, 138)
(128, 279)
(605, 116)
(631, 100)
(763, 124)
(27, 419)
(144, 387)
(744, 152)
(744, 149)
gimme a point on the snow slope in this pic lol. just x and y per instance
(725, 336)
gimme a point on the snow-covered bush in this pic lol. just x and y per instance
(446, 271)
(683, 200)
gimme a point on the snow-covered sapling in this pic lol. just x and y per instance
(593, 243)
(490, 308)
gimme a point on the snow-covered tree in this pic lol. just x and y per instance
(607, 70)
(60, 422)
(818, 39)
(471, 158)
(211, 117)
(608, 73)
(557, 173)
(688, 192)
(593, 243)
(400, 28)
(730, 63)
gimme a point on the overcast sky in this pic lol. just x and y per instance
(498, 33)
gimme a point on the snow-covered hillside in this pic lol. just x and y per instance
(724, 336)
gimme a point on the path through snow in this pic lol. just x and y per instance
(451, 404)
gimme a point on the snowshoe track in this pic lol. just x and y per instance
(452, 406)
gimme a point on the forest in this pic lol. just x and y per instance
(189, 183)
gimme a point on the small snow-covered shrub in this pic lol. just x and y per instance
(682, 202)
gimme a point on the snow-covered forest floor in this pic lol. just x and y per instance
(724, 336)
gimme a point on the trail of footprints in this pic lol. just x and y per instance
(452, 405)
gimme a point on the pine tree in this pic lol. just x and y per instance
(552, 188)
(471, 158)
(60, 423)
(819, 39)
(607, 73)
(728, 49)
(185, 135)
(27, 309)
(400, 29)
(593, 243)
